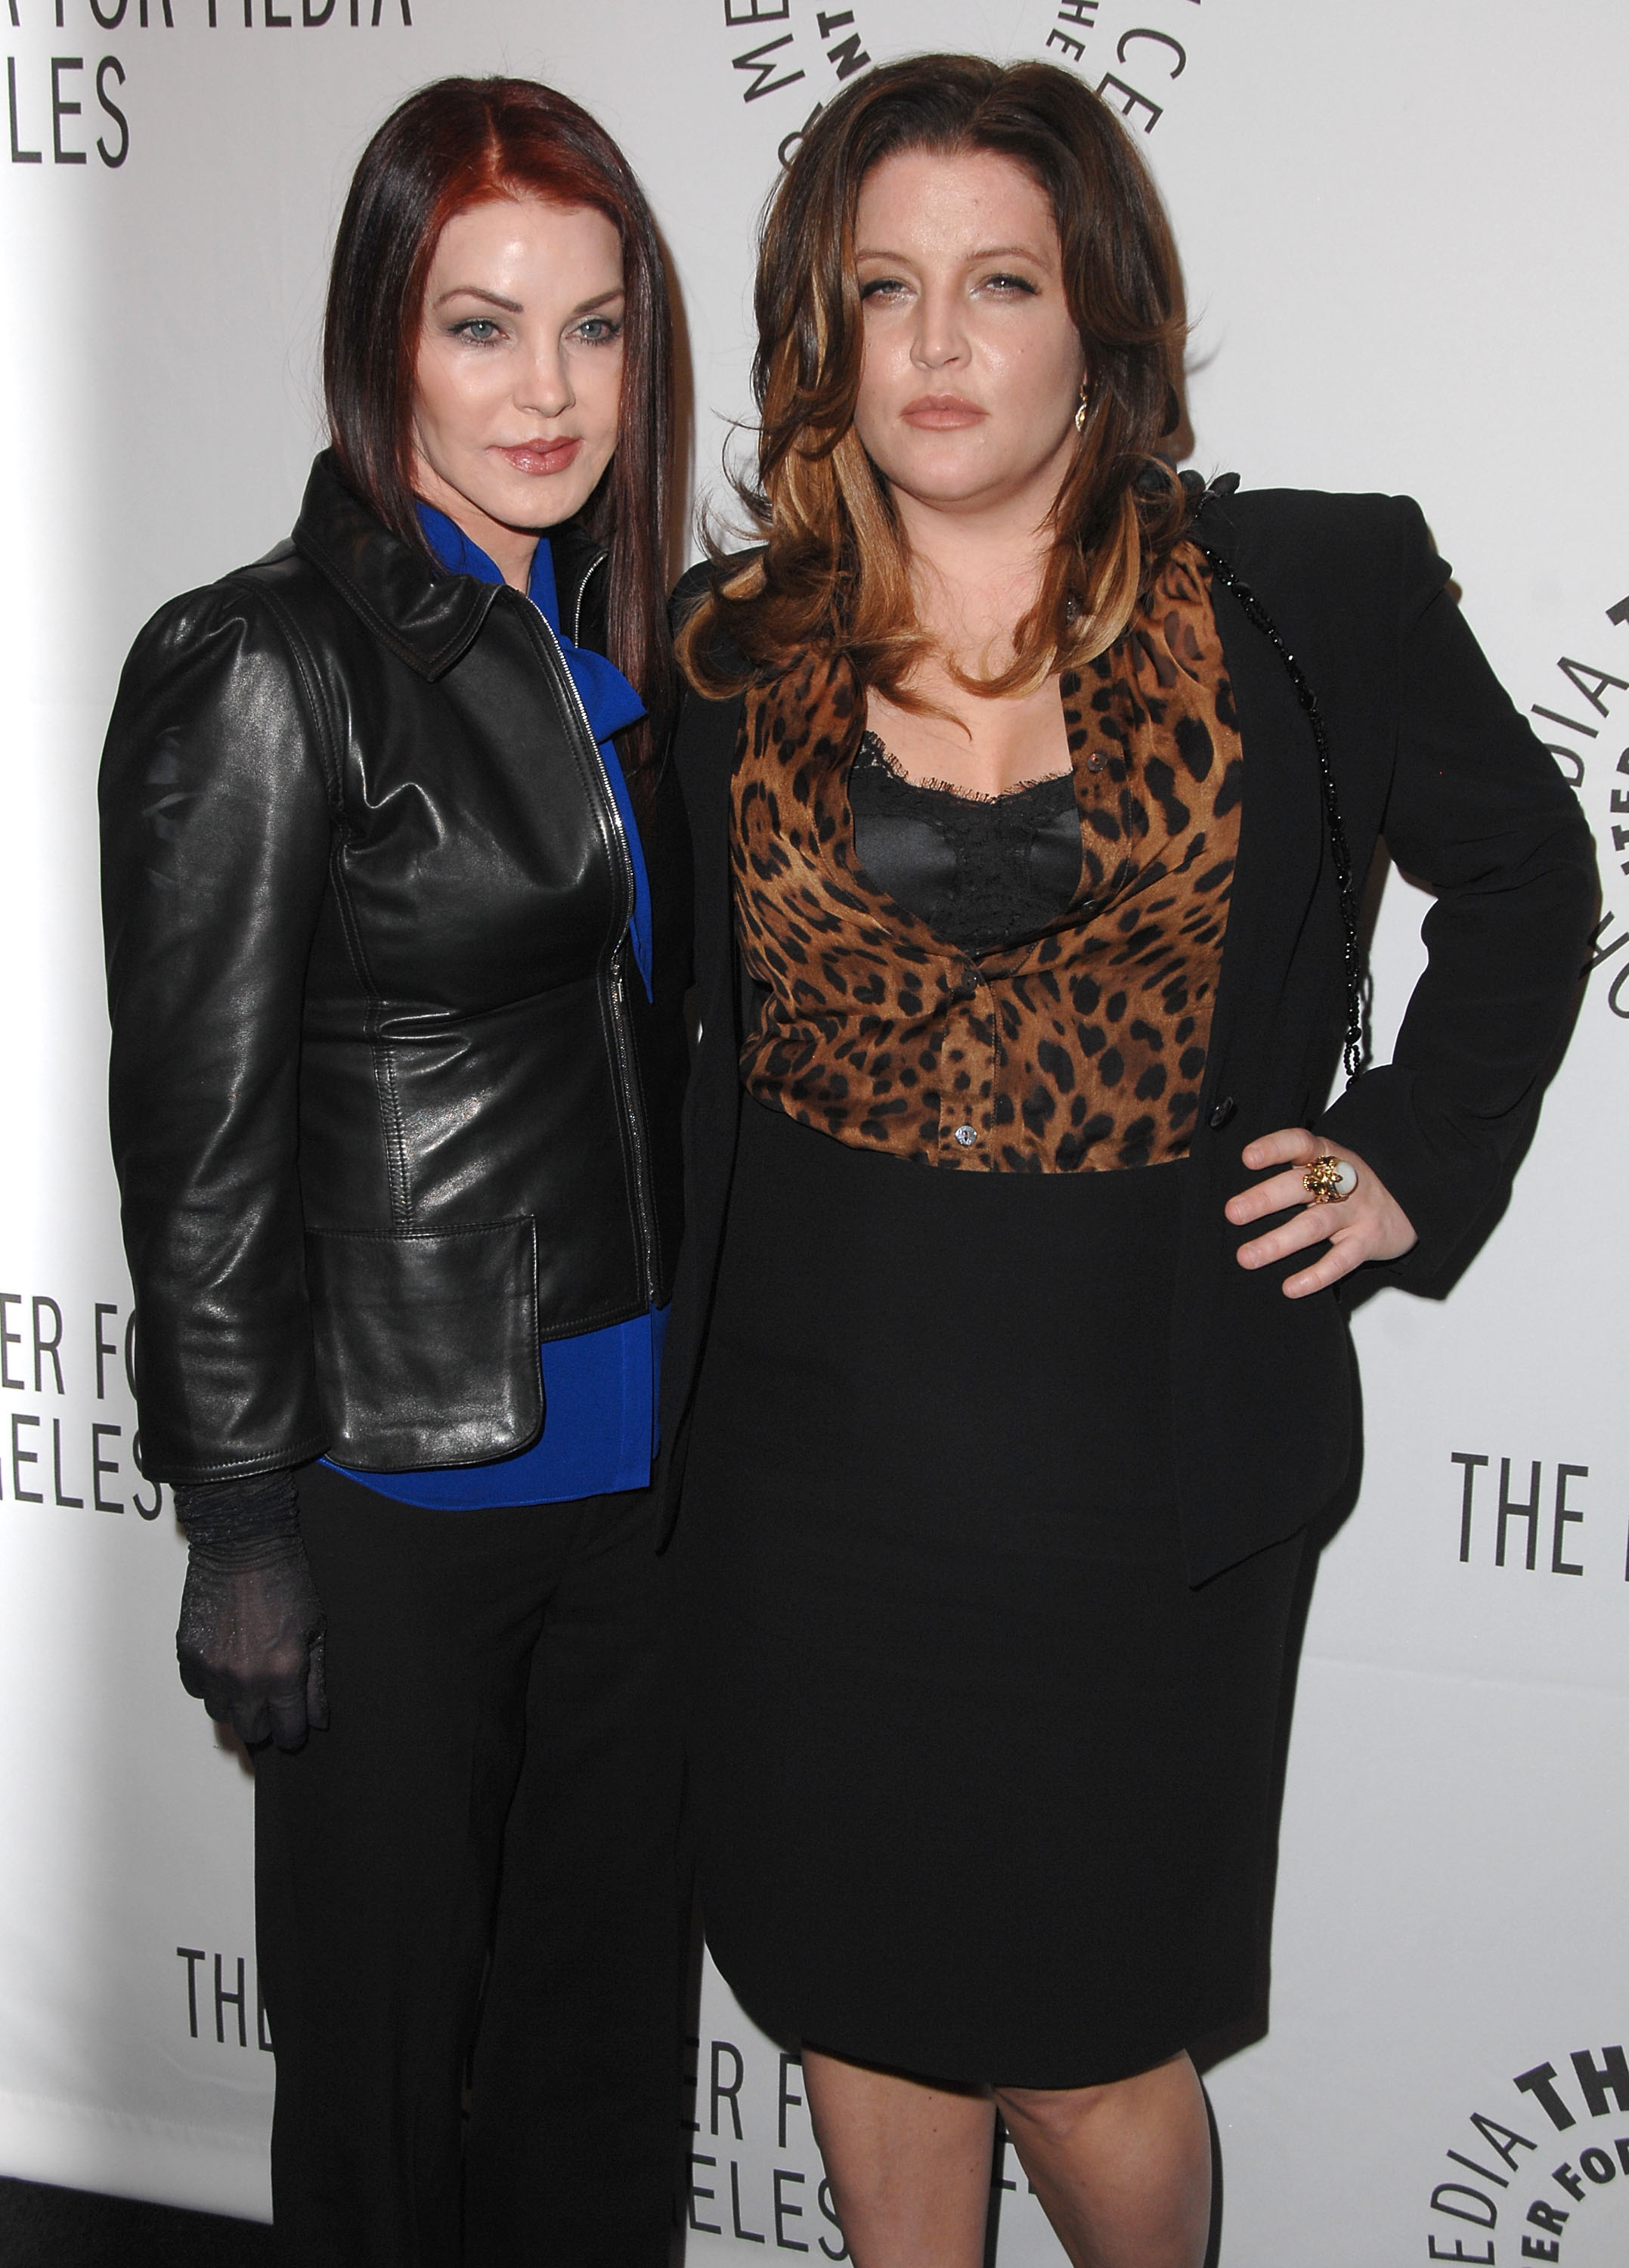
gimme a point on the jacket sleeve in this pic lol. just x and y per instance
(1477, 811)
(216, 829)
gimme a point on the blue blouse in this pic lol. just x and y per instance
(600, 1388)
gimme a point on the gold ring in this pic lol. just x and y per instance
(1329, 1181)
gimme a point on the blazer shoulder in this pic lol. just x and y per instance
(691, 588)
(688, 592)
(1309, 528)
(1315, 555)
(696, 582)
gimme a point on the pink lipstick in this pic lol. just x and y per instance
(942, 413)
(542, 456)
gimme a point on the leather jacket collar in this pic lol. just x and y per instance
(427, 618)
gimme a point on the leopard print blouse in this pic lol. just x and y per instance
(1080, 1048)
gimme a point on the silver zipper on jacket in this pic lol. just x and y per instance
(588, 574)
(628, 1069)
(625, 1059)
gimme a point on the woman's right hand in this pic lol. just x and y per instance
(251, 1632)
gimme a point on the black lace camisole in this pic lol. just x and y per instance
(982, 871)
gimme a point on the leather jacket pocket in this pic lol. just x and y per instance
(426, 1342)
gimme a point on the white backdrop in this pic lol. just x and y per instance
(1404, 230)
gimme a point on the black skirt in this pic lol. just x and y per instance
(983, 1788)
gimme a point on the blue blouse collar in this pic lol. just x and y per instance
(608, 698)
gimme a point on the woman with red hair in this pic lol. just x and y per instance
(396, 904)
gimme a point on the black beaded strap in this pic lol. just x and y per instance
(1354, 1047)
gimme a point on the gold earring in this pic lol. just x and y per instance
(1080, 416)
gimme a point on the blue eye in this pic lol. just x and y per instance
(479, 330)
(599, 330)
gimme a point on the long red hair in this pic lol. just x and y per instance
(463, 142)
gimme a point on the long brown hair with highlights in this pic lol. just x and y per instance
(834, 575)
(465, 142)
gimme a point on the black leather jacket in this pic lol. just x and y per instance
(389, 1102)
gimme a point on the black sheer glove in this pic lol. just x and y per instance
(250, 1638)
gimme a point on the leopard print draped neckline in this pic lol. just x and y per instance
(1079, 1049)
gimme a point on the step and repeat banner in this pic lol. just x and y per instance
(1402, 226)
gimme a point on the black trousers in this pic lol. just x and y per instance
(477, 1869)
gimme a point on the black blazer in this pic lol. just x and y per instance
(1428, 751)
(387, 1108)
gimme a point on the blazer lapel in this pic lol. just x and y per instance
(1283, 845)
(703, 756)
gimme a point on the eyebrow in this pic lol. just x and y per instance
(514, 307)
(473, 291)
(988, 252)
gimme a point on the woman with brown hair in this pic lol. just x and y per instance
(397, 908)
(1032, 789)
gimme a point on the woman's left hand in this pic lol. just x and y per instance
(1369, 1224)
